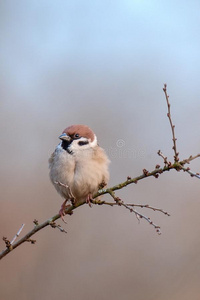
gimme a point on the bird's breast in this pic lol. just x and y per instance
(62, 168)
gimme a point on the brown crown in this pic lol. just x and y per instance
(82, 130)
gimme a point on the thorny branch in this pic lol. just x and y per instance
(176, 165)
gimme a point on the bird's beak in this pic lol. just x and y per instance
(65, 137)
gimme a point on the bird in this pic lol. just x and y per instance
(78, 166)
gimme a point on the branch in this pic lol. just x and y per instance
(138, 215)
(197, 175)
(17, 234)
(156, 172)
(36, 228)
(176, 158)
(51, 221)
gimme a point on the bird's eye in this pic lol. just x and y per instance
(76, 135)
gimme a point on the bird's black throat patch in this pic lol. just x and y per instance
(65, 145)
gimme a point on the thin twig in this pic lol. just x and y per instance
(119, 202)
(188, 160)
(143, 217)
(167, 163)
(176, 158)
(190, 172)
(17, 234)
(101, 202)
(131, 209)
(54, 225)
(36, 228)
(150, 207)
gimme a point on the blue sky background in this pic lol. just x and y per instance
(40, 36)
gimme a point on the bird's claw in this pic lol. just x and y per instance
(88, 200)
(62, 211)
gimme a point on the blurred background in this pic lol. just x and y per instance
(100, 63)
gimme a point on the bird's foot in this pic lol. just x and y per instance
(62, 211)
(88, 200)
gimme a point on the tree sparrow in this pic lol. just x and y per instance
(78, 166)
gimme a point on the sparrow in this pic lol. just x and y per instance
(78, 166)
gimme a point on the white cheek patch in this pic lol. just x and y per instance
(94, 142)
(79, 144)
(82, 143)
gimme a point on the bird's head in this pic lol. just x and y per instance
(77, 137)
